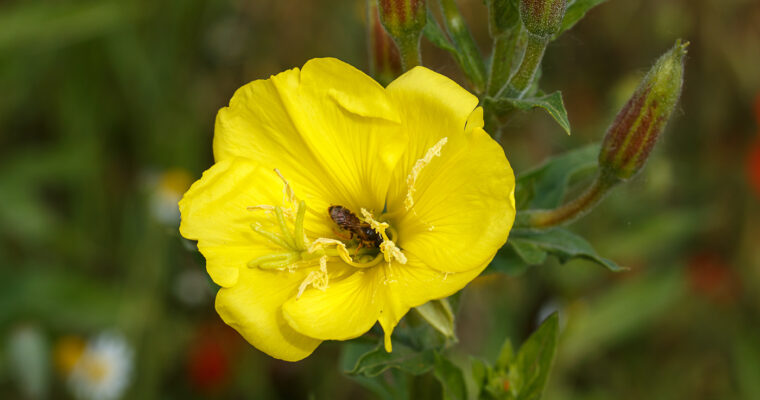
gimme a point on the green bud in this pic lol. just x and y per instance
(403, 17)
(633, 134)
(404, 21)
(384, 59)
(542, 17)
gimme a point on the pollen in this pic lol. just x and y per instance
(389, 249)
(411, 180)
(318, 279)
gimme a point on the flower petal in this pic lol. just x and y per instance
(346, 309)
(214, 212)
(413, 284)
(463, 202)
(328, 127)
(254, 308)
(256, 125)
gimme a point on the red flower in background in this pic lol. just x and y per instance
(211, 357)
(710, 276)
(753, 158)
(753, 167)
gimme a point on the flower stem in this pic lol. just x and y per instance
(523, 78)
(504, 53)
(409, 49)
(542, 219)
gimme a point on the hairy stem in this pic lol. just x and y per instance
(542, 219)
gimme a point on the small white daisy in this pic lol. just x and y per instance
(103, 371)
(165, 191)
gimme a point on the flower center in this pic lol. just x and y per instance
(366, 241)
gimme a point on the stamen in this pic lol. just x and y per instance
(411, 180)
(276, 239)
(318, 279)
(342, 252)
(287, 236)
(288, 193)
(269, 259)
(300, 236)
(265, 207)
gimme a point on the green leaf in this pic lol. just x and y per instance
(507, 262)
(545, 186)
(435, 35)
(530, 253)
(552, 103)
(575, 11)
(479, 371)
(383, 388)
(451, 378)
(463, 49)
(505, 355)
(439, 315)
(534, 360)
(409, 360)
(503, 15)
(561, 243)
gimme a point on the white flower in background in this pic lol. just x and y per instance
(166, 189)
(103, 370)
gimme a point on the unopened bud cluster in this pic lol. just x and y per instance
(633, 134)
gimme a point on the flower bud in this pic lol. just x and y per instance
(403, 18)
(404, 21)
(384, 59)
(542, 17)
(632, 136)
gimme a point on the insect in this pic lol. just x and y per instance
(349, 222)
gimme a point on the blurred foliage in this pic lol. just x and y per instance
(98, 98)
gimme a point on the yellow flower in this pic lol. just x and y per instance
(411, 162)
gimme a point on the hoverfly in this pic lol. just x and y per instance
(350, 223)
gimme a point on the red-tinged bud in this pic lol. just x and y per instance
(384, 59)
(402, 17)
(633, 134)
(542, 17)
(404, 21)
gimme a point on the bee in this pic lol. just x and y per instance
(349, 222)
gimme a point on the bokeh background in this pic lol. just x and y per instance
(106, 116)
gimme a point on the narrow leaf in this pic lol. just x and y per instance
(507, 262)
(439, 315)
(544, 187)
(435, 35)
(575, 11)
(552, 103)
(451, 378)
(479, 371)
(505, 355)
(535, 358)
(472, 60)
(377, 361)
(530, 253)
(563, 244)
